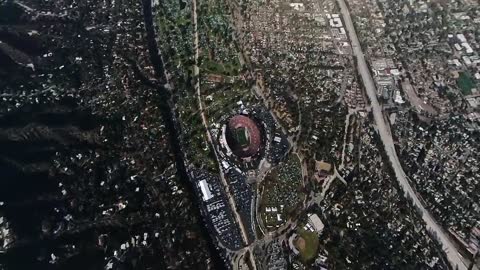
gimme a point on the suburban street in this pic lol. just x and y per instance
(455, 259)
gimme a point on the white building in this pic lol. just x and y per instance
(461, 38)
(206, 193)
(316, 222)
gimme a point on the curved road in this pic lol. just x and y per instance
(456, 260)
(196, 73)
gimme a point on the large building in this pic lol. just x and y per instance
(243, 136)
(206, 193)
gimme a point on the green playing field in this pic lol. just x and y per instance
(465, 83)
(242, 138)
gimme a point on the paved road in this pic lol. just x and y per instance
(448, 246)
(196, 73)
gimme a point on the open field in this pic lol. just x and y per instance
(465, 83)
(307, 244)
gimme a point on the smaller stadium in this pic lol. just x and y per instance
(243, 136)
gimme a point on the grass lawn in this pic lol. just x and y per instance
(241, 134)
(212, 66)
(307, 244)
(465, 83)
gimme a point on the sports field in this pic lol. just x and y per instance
(307, 244)
(242, 137)
(465, 83)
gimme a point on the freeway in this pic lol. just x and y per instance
(450, 249)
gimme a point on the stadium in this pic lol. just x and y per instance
(243, 136)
